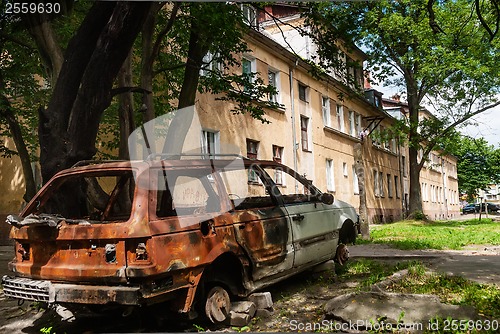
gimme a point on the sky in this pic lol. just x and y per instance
(486, 125)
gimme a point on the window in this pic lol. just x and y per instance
(325, 107)
(252, 151)
(375, 138)
(210, 142)
(344, 169)
(376, 187)
(248, 69)
(403, 165)
(358, 124)
(210, 64)
(249, 15)
(278, 156)
(352, 123)
(396, 186)
(340, 117)
(355, 182)
(186, 193)
(381, 184)
(302, 92)
(330, 180)
(389, 185)
(304, 124)
(273, 81)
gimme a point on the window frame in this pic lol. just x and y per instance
(340, 117)
(274, 98)
(304, 133)
(325, 109)
(205, 147)
(303, 92)
(330, 175)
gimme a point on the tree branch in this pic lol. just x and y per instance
(482, 20)
(121, 90)
(168, 27)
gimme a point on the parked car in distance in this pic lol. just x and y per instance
(492, 207)
(469, 208)
(191, 233)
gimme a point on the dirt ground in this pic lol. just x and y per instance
(299, 299)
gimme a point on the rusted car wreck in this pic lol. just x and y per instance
(194, 233)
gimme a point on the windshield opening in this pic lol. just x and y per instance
(103, 196)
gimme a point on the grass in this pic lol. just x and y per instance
(452, 290)
(369, 272)
(436, 234)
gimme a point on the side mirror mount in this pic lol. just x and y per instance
(326, 198)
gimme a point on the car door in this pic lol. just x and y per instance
(312, 222)
(261, 225)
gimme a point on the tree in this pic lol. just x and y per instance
(93, 70)
(487, 13)
(478, 165)
(456, 70)
(19, 96)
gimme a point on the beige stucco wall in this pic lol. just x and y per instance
(12, 190)
(326, 142)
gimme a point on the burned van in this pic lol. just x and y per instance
(191, 233)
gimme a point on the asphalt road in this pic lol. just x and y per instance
(477, 263)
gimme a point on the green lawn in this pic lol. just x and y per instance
(436, 235)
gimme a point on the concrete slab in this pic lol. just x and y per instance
(411, 311)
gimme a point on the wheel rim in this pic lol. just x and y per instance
(217, 305)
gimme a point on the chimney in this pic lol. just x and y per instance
(367, 84)
(396, 97)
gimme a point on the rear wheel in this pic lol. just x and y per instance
(217, 305)
(342, 254)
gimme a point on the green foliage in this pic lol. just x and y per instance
(478, 165)
(455, 68)
(437, 235)
(47, 330)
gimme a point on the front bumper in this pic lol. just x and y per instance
(49, 292)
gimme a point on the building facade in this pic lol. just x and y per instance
(322, 127)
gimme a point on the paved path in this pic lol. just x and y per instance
(480, 264)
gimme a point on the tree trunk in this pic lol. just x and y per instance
(125, 108)
(50, 52)
(147, 64)
(360, 172)
(180, 126)
(68, 128)
(53, 122)
(15, 131)
(415, 205)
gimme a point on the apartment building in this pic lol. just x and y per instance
(323, 125)
(318, 127)
(438, 177)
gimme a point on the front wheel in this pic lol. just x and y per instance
(217, 305)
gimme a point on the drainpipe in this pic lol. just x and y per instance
(445, 195)
(401, 181)
(294, 135)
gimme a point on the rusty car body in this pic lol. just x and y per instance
(193, 233)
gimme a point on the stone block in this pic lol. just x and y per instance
(247, 307)
(262, 300)
(239, 319)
